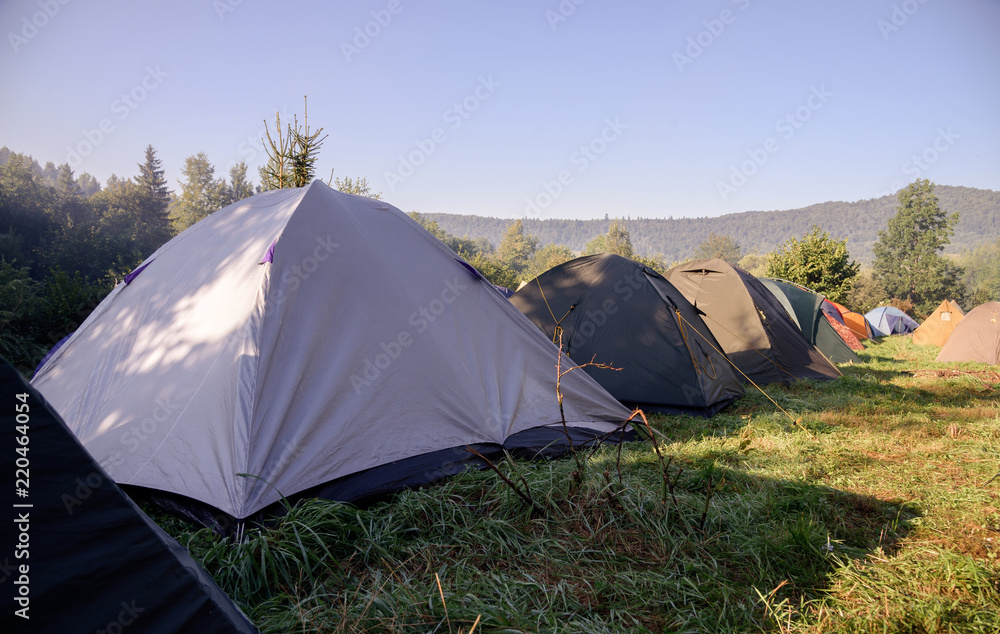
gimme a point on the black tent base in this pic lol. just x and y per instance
(705, 412)
(380, 483)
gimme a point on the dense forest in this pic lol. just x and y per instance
(756, 231)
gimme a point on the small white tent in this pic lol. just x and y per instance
(309, 337)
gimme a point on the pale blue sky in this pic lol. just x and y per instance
(682, 109)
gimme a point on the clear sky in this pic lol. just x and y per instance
(518, 108)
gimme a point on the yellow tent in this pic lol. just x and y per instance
(938, 327)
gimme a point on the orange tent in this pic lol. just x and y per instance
(855, 321)
(938, 327)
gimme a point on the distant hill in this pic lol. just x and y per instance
(755, 231)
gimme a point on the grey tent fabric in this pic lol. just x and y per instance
(616, 312)
(976, 337)
(887, 320)
(305, 336)
(92, 560)
(750, 323)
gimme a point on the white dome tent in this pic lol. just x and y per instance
(321, 341)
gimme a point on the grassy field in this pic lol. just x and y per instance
(866, 504)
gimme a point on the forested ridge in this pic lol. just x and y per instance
(755, 231)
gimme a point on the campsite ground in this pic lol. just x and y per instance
(868, 503)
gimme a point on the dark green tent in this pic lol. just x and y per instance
(750, 323)
(806, 310)
(617, 312)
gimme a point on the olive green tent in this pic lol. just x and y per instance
(755, 331)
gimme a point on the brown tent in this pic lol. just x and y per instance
(938, 327)
(750, 323)
(977, 338)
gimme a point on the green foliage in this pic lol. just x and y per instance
(545, 258)
(908, 260)
(595, 246)
(818, 262)
(238, 187)
(201, 192)
(867, 293)
(678, 237)
(20, 308)
(755, 263)
(277, 172)
(151, 180)
(358, 187)
(517, 248)
(458, 245)
(292, 158)
(304, 152)
(655, 262)
(617, 241)
(981, 277)
(62, 250)
(494, 270)
(27, 210)
(723, 247)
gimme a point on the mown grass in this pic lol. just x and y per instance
(867, 505)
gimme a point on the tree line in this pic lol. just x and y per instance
(65, 241)
(676, 238)
(910, 270)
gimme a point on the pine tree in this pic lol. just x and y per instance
(151, 179)
(291, 160)
(201, 192)
(238, 186)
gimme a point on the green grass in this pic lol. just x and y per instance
(866, 506)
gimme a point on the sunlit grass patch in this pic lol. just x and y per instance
(867, 503)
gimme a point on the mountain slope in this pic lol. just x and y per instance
(760, 231)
